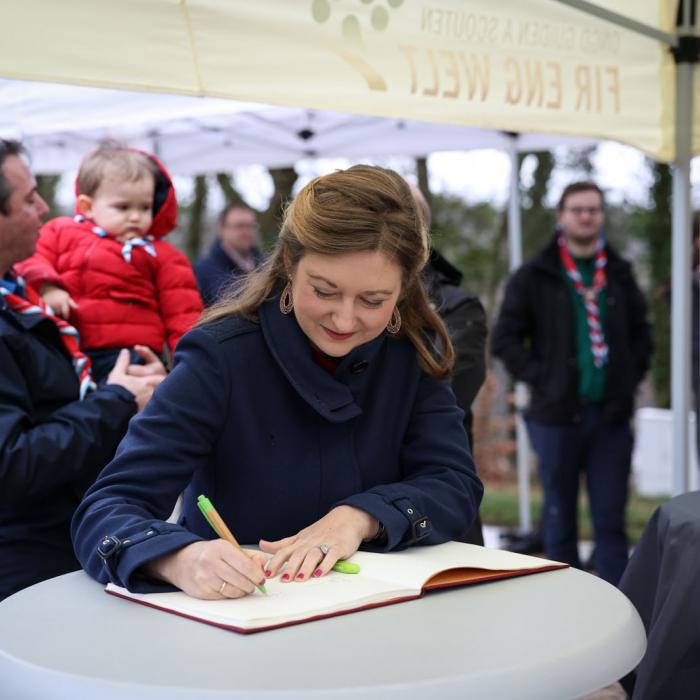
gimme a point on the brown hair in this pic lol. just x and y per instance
(113, 161)
(575, 187)
(8, 147)
(232, 206)
(363, 208)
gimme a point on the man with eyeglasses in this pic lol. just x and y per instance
(57, 429)
(573, 326)
(234, 253)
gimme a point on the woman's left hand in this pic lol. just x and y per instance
(300, 557)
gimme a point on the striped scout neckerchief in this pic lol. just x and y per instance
(599, 347)
(33, 305)
(146, 242)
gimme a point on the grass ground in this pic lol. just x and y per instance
(500, 507)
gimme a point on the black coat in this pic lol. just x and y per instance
(465, 319)
(216, 270)
(535, 337)
(662, 580)
(52, 446)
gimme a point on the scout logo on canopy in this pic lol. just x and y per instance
(484, 53)
(374, 18)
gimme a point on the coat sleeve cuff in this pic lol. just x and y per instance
(122, 558)
(403, 523)
(120, 391)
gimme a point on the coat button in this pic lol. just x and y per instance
(359, 367)
(108, 546)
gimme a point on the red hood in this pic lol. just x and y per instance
(164, 200)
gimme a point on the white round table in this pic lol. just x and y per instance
(553, 635)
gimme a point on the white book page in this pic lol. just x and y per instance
(382, 577)
(285, 602)
(413, 567)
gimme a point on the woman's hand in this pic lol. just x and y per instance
(299, 557)
(211, 570)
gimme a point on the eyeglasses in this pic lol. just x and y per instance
(591, 211)
(241, 225)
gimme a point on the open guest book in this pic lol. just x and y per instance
(383, 579)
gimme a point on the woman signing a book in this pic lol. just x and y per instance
(309, 405)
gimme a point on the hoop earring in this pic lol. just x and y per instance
(394, 325)
(286, 300)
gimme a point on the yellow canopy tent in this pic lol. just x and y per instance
(591, 69)
(499, 64)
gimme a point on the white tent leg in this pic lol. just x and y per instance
(515, 258)
(680, 299)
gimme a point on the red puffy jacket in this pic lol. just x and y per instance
(149, 301)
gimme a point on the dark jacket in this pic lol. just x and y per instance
(52, 446)
(247, 418)
(216, 270)
(535, 337)
(465, 319)
(695, 338)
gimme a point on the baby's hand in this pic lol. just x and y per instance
(58, 299)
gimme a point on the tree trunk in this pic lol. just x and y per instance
(658, 228)
(46, 186)
(196, 220)
(270, 220)
(423, 182)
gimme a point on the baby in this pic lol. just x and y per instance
(107, 269)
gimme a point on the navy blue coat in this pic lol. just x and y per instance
(216, 270)
(247, 418)
(52, 446)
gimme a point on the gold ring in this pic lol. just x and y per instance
(223, 585)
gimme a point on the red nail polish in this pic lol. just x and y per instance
(318, 573)
(268, 573)
(285, 577)
(300, 575)
(262, 583)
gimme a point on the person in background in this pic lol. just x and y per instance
(309, 403)
(465, 318)
(695, 326)
(573, 326)
(108, 270)
(235, 252)
(57, 430)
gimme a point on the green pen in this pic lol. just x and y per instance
(220, 528)
(346, 567)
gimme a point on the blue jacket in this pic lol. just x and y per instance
(216, 270)
(247, 418)
(52, 446)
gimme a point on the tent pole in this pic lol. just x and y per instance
(681, 252)
(623, 21)
(515, 260)
(680, 293)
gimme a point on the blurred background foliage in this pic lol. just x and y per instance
(473, 235)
